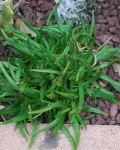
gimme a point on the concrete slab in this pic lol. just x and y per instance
(95, 138)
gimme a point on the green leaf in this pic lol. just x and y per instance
(35, 124)
(69, 136)
(111, 81)
(79, 118)
(80, 73)
(6, 85)
(68, 95)
(22, 130)
(95, 110)
(65, 52)
(89, 117)
(30, 115)
(10, 80)
(61, 27)
(108, 97)
(25, 127)
(49, 126)
(81, 95)
(18, 73)
(102, 65)
(76, 128)
(46, 71)
(11, 70)
(58, 126)
(107, 53)
(15, 119)
(94, 78)
(45, 109)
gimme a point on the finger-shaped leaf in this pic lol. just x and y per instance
(68, 134)
(58, 126)
(49, 126)
(81, 95)
(95, 110)
(76, 128)
(35, 124)
(10, 80)
(79, 118)
(22, 130)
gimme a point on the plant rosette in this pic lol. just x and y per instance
(50, 76)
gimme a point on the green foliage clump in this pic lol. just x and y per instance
(49, 77)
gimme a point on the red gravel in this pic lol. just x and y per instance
(34, 11)
(108, 22)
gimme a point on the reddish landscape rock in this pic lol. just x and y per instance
(118, 118)
(87, 122)
(112, 30)
(93, 121)
(110, 122)
(104, 28)
(113, 110)
(106, 12)
(114, 12)
(46, 6)
(106, 110)
(116, 77)
(40, 2)
(103, 38)
(110, 72)
(117, 95)
(115, 38)
(83, 113)
(111, 21)
(100, 120)
(101, 105)
(34, 3)
(108, 104)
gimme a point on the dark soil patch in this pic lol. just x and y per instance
(107, 25)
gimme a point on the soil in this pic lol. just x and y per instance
(107, 25)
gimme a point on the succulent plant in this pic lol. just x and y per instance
(72, 10)
(75, 10)
(6, 13)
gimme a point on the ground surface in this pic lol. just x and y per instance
(108, 22)
(107, 25)
(96, 138)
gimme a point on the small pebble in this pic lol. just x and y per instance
(87, 122)
(108, 104)
(101, 105)
(110, 122)
(118, 118)
(93, 121)
(113, 110)
(106, 110)
(83, 113)
(100, 119)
